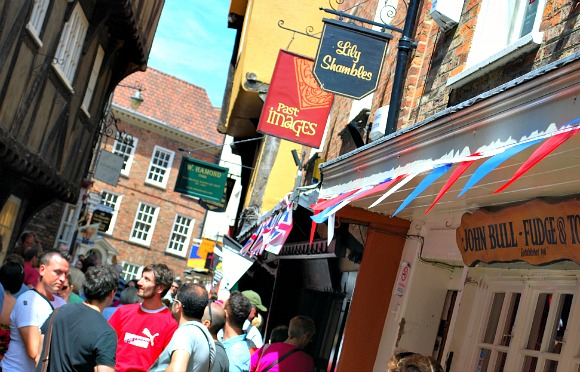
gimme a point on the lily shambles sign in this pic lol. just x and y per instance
(200, 179)
(350, 59)
(535, 232)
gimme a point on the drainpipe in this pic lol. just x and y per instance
(405, 44)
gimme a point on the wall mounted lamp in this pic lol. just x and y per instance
(136, 99)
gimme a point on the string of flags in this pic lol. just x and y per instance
(326, 209)
(272, 233)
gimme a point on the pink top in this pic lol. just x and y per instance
(31, 275)
(269, 353)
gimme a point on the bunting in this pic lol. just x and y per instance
(493, 162)
(427, 181)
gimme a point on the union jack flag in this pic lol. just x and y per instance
(281, 231)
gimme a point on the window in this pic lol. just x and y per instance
(180, 235)
(93, 80)
(160, 166)
(502, 23)
(71, 43)
(144, 224)
(528, 327)
(126, 146)
(112, 200)
(36, 21)
(8, 216)
(505, 30)
(131, 271)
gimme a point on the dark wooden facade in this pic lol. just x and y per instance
(46, 139)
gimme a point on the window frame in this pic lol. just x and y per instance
(151, 229)
(36, 21)
(187, 235)
(130, 156)
(484, 55)
(70, 46)
(134, 275)
(89, 92)
(163, 183)
(530, 289)
(114, 206)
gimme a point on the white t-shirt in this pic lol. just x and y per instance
(30, 309)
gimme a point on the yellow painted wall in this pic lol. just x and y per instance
(261, 41)
(283, 176)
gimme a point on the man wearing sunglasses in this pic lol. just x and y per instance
(192, 347)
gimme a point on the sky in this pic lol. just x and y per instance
(193, 43)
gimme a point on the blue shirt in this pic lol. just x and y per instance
(238, 353)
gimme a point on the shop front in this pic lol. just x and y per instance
(487, 278)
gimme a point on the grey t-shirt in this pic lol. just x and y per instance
(194, 338)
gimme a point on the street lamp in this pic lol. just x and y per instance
(136, 99)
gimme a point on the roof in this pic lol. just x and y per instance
(175, 102)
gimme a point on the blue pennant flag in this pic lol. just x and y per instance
(427, 181)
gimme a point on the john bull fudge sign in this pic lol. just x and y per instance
(536, 232)
(350, 59)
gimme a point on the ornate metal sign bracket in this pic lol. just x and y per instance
(309, 30)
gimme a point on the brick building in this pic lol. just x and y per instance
(151, 222)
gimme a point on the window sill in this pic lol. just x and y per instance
(176, 255)
(140, 243)
(156, 185)
(34, 35)
(513, 51)
(63, 78)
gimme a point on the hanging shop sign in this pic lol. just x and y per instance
(103, 218)
(536, 232)
(201, 253)
(109, 167)
(296, 109)
(200, 179)
(349, 59)
(220, 206)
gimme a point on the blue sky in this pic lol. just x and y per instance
(193, 43)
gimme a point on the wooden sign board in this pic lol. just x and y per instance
(536, 232)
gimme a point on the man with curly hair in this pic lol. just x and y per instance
(144, 329)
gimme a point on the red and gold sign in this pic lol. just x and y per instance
(296, 109)
(536, 232)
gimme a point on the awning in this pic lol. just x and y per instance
(514, 143)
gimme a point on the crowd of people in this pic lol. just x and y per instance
(63, 316)
(59, 315)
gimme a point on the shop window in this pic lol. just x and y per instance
(70, 46)
(526, 329)
(125, 146)
(131, 271)
(145, 220)
(160, 166)
(180, 235)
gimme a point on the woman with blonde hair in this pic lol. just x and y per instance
(413, 362)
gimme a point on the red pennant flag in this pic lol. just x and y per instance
(544, 150)
(330, 202)
(461, 168)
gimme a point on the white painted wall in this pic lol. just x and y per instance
(216, 225)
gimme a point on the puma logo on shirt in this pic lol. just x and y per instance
(140, 341)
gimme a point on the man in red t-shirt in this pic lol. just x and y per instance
(287, 355)
(145, 329)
